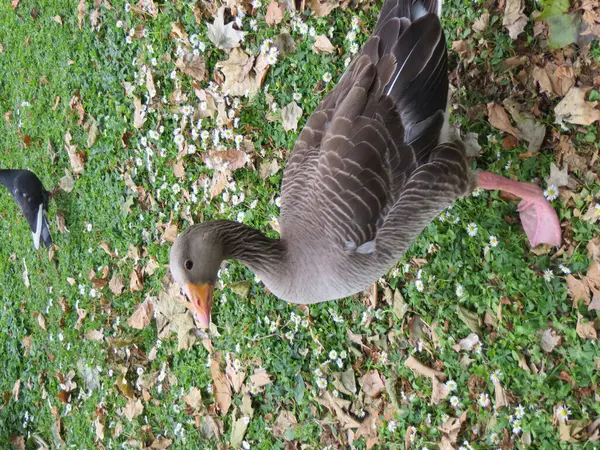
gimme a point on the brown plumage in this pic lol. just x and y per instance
(367, 174)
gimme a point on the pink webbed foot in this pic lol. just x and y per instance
(539, 219)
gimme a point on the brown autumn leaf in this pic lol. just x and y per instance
(232, 158)
(139, 115)
(77, 105)
(179, 33)
(549, 340)
(585, 329)
(94, 335)
(439, 391)
(27, 342)
(142, 315)
(193, 398)
(592, 214)
(116, 284)
(235, 377)
(81, 10)
(76, 158)
(371, 383)
(285, 421)
(150, 83)
(578, 290)
(170, 233)
(18, 442)
(135, 281)
(340, 407)
(67, 183)
(221, 388)
(267, 169)
(243, 73)
(322, 45)
(260, 378)
(290, 114)
(531, 130)
(41, 322)
(192, 65)
(514, 20)
(223, 36)
(499, 119)
(500, 396)
(133, 408)
(416, 366)
(16, 389)
(323, 7)
(575, 109)
(99, 428)
(274, 13)
(593, 248)
(14, 3)
(481, 24)
(450, 430)
(57, 19)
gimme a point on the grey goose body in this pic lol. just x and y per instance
(369, 171)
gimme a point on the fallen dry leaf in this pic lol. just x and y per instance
(67, 183)
(531, 130)
(514, 20)
(439, 391)
(290, 114)
(274, 13)
(150, 83)
(416, 366)
(285, 421)
(371, 383)
(139, 115)
(221, 388)
(450, 430)
(575, 109)
(323, 7)
(81, 10)
(192, 65)
(244, 74)
(260, 378)
(135, 281)
(193, 398)
(500, 396)
(223, 36)
(75, 158)
(499, 119)
(549, 340)
(322, 45)
(142, 315)
(116, 284)
(578, 290)
(235, 377)
(481, 24)
(557, 176)
(593, 248)
(585, 329)
(133, 408)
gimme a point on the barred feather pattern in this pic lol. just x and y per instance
(368, 172)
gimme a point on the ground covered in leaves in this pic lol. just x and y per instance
(152, 116)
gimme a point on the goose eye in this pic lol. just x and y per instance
(189, 265)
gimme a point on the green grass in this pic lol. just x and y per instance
(43, 60)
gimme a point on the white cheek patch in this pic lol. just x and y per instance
(38, 227)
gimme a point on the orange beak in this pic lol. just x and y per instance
(201, 298)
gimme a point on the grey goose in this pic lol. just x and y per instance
(370, 170)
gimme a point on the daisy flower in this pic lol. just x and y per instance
(519, 411)
(564, 269)
(322, 383)
(472, 229)
(484, 400)
(493, 241)
(326, 77)
(419, 285)
(551, 193)
(297, 96)
(454, 401)
(333, 355)
(460, 290)
(548, 274)
(563, 413)
(392, 425)
(451, 385)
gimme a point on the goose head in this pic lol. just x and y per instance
(195, 259)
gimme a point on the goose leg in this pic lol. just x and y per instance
(539, 219)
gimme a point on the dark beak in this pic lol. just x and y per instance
(201, 299)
